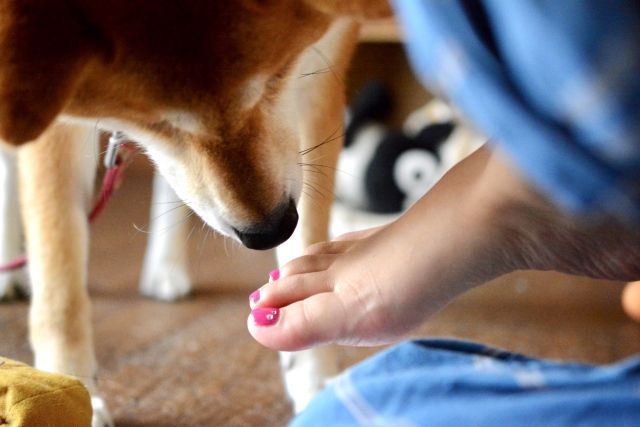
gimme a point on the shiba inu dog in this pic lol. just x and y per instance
(236, 103)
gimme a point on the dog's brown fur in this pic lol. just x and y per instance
(211, 89)
(100, 60)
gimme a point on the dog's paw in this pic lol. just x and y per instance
(306, 373)
(166, 284)
(101, 416)
(13, 286)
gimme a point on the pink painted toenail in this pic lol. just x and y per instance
(274, 275)
(254, 297)
(265, 316)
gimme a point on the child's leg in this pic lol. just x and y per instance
(480, 221)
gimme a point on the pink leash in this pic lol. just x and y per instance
(115, 160)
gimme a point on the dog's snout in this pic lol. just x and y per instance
(273, 230)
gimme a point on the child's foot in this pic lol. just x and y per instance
(478, 222)
(376, 286)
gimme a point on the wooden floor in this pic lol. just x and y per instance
(193, 363)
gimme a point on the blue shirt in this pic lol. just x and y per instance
(445, 383)
(554, 83)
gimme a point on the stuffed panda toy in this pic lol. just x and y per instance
(383, 170)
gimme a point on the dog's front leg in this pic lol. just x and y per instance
(165, 271)
(12, 283)
(55, 176)
(320, 100)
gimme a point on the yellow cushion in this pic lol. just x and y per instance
(33, 398)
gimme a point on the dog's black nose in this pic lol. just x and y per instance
(275, 229)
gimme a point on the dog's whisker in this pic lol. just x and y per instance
(320, 165)
(225, 247)
(329, 64)
(306, 193)
(142, 230)
(312, 199)
(204, 241)
(330, 139)
(325, 188)
(183, 219)
(311, 187)
(326, 139)
(187, 203)
(321, 173)
(316, 172)
(321, 71)
(159, 216)
(315, 177)
(341, 126)
(327, 192)
(313, 169)
(201, 245)
(316, 159)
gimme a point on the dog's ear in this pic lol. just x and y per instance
(358, 9)
(45, 46)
